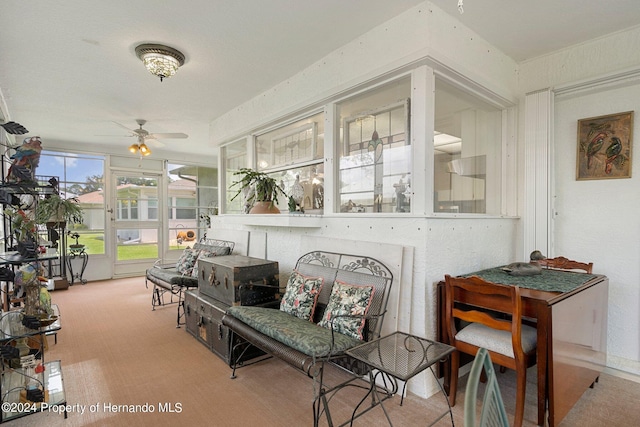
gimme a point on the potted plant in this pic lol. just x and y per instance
(54, 210)
(260, 191)
(24, 229)
(75, 247)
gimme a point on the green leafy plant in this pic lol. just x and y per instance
(54, 208)
(265, 188)
(23, 225)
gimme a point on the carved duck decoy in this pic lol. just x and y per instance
(525, 268)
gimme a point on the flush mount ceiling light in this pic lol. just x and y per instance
(140, 148)
(162, 61)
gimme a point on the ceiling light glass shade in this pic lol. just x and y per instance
(144, 150)
(161, 61)
(140, 148)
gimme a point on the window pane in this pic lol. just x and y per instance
(152, 209)
(192, 190)
(137, 244)
(235, 158)
(80, 176)
(375, 151)
(298, 142)
(467, 146)
(133, 195)
(293, 155)
(305, 184)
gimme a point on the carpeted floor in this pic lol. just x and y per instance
(116, 353)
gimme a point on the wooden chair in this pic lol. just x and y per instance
(481, 305)
(562, 263)
(493, 413)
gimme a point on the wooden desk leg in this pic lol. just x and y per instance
(542, 354)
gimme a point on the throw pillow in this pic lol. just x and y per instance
(187, 260)
(204, 253)
(301, 295)
(350, 300)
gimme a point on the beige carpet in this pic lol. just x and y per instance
(116, 351)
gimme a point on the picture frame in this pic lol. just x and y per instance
(604, 147)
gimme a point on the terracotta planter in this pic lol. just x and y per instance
(264, 208)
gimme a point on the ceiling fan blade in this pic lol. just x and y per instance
(123, 126)
(154, 142)
(117, 136)
(168, 135)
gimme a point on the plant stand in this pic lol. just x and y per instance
(81, 254)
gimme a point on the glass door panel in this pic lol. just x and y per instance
(136, 221)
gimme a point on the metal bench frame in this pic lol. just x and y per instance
(332, 266)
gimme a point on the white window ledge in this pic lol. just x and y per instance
(276, 220)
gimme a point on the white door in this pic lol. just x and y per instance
(135, 216)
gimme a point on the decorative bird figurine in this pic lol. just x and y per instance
(45, 300)
(25, 160)
(525, 268)
(535, 256)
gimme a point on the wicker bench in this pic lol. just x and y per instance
(308, 344)
(177, 277)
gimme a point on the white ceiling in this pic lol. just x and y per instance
(68, 70)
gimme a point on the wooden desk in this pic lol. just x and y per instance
(572, 333)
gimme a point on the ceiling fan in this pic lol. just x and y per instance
(144, 135)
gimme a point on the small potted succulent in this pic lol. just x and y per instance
(260, 191)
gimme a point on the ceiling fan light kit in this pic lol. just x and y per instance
(162, 61)
(142, 135)
(140, 148)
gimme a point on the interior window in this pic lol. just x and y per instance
(375, 151)
(293, 155)
(467, 147)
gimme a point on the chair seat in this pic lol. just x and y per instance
(495, 340)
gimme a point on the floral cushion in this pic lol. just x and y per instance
(350, 300)
(301, 295)
(187, 260)
(306, 337)
(204, 253)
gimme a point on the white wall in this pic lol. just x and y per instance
(420, 33)
(597, 220)
(423, 35)
(439, 246)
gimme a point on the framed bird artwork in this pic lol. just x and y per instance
(604, 146)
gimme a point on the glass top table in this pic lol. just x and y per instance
(15, 379)
(11, 326)
(401, 356)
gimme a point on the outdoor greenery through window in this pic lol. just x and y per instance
(80, 176)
